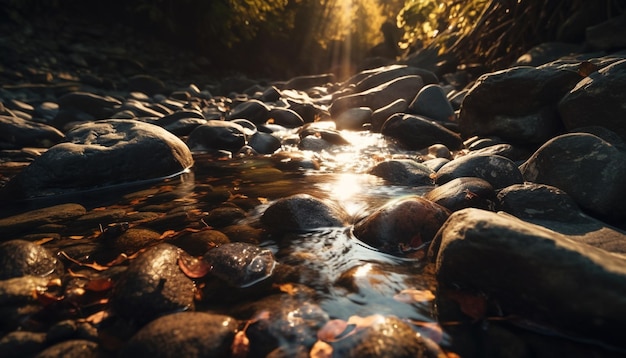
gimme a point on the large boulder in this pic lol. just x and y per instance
(588, 167)
(598, 100)
(534, 273)
(518, 104)
(100, 154)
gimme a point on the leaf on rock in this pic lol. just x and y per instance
(332, 330)
(99, 285)
(412, 295)
(586, 68)
(472, 304)
(193, 267)
(321, 349)
(240, 346)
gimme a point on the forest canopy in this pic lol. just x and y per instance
(290, 37)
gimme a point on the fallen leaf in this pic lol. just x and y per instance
(99, 284)
(97, 317)
(321, 349)
(43, 240)
(168, 234)
(431, 330)
(288, 289)
(586, 68)
(94, 265)
(47, 299)
(472, 304)
(193, 267)
(76, 237)
(365, 322)
(332, 329)
(240, 346)
(413, 296)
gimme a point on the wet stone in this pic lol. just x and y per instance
(403, 172)
(22, 258)
(153, 285)
(16, 133)
(416, 132)
(27, 221)
(302, 212)
(388, 336)
(466, 192)
(224, 216)
(184, 334)
(217, 135)
(402, 226)
(78, 348)
(132, 240)
(198, 243)
(431, 102)
(499, 171)
(240, 264)
(19, 344)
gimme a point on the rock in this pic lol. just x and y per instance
(184, 334)
(95, 105)
(528, 270)
(325, 132)
(461, 193)
(498, 171)
(587, 167)
(285, 117)
(23, 223)
(24, 258)
(134, 239)
(415, 132)
(518, 104)
(217, 135)
(381, 75)
(253, 110)
(403, 172)
(381, 336)
(431, 102)
(546, 52)
(99, 154)
(302, 212)
(264, 143)
(284, 322)
(399, 88)
(607, 35)
(198, 243)
(153, 285)
(77, 348)
(552, 208)
(401, 226)
(16, 133)
(19, 344)
(596, 100)
(147, 84)
(19, 290)
(240, 264)
(353, 118)
(380, 115)
(306, 82)
(224, 216)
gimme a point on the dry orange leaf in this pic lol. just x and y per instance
(99, 284)
(288, 289)
(43, 240)
(332, 329)
(321, 349)
(193, 267)
(240, 346)
(412, 295)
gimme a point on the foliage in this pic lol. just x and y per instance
(496, 32)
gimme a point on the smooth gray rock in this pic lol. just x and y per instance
(403, 172)
(534, 272)
(518, 104)
(587, 167)
(499, 171)
(16, 133)
(416, 132)
(597, 100)
(185, 334)
(153, 285)
(302, 212)
(100, 154)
